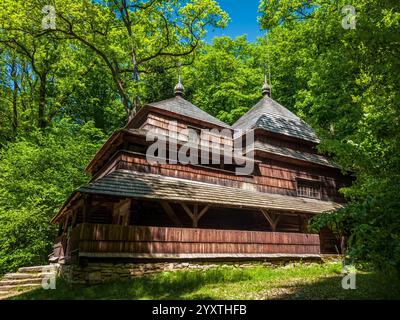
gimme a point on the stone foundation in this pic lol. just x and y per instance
(96, 272)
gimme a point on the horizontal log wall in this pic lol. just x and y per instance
(273, 179)
(168, 126)
(272, 175)
(96, 238)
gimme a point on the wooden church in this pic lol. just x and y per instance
(134, 208)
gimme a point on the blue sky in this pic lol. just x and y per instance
(243, 14)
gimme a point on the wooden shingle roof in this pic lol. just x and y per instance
(132, 184)
(292, 153)
(269, 115)
(183, 107)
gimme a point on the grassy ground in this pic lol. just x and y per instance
(294, 281)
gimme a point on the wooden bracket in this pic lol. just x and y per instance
(170, 212)
(271, 218)
(121, 211)
(195, 215)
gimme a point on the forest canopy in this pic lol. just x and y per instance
(63, 90)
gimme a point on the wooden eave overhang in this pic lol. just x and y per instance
(67, 204)
(300, 157)
(116, 138)
(132, 184)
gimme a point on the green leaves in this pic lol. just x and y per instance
(226, 78)
(146, 35)
(37, 174)
(345, 83)
(277, 12)
(115, 38)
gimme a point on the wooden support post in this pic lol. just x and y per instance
(84, 209)
(271, 218)
(194, 215)
(121, 212)
(75, 213)
(65, 229)
(75, 210)
(302, 223)
(170, 212)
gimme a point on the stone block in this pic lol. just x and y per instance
(94, 277)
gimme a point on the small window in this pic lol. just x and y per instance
(309, 189)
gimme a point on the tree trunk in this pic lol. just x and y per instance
(42, 122)
(14, 123)
(343, 244)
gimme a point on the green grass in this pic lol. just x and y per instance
(294, 281)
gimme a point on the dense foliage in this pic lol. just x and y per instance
(226, 77)
(63, 90)
(37, 174)
(345, 82)
(64, 87)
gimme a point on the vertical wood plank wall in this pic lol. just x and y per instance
(100, 238)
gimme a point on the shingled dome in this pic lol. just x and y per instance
(269, 115)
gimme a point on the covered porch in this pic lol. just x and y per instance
(129, 215)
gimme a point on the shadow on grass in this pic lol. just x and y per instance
(293, 282)
(166, 285)
(369, 286)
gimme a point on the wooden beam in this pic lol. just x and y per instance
(267, 216)
(302, 223)
(187, 210)
(194, 215)
(277, 218)
(121, 212)
(195, 210)
(170, 212)
(78, 204)
(74, 217)
(273, 220)
(86, 204)
(66, 220)
(123, 203)
(202, 212)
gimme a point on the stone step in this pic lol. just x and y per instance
(19, 281)
(37, 269)
(27, 275)
(25, 279)
(10, 288)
